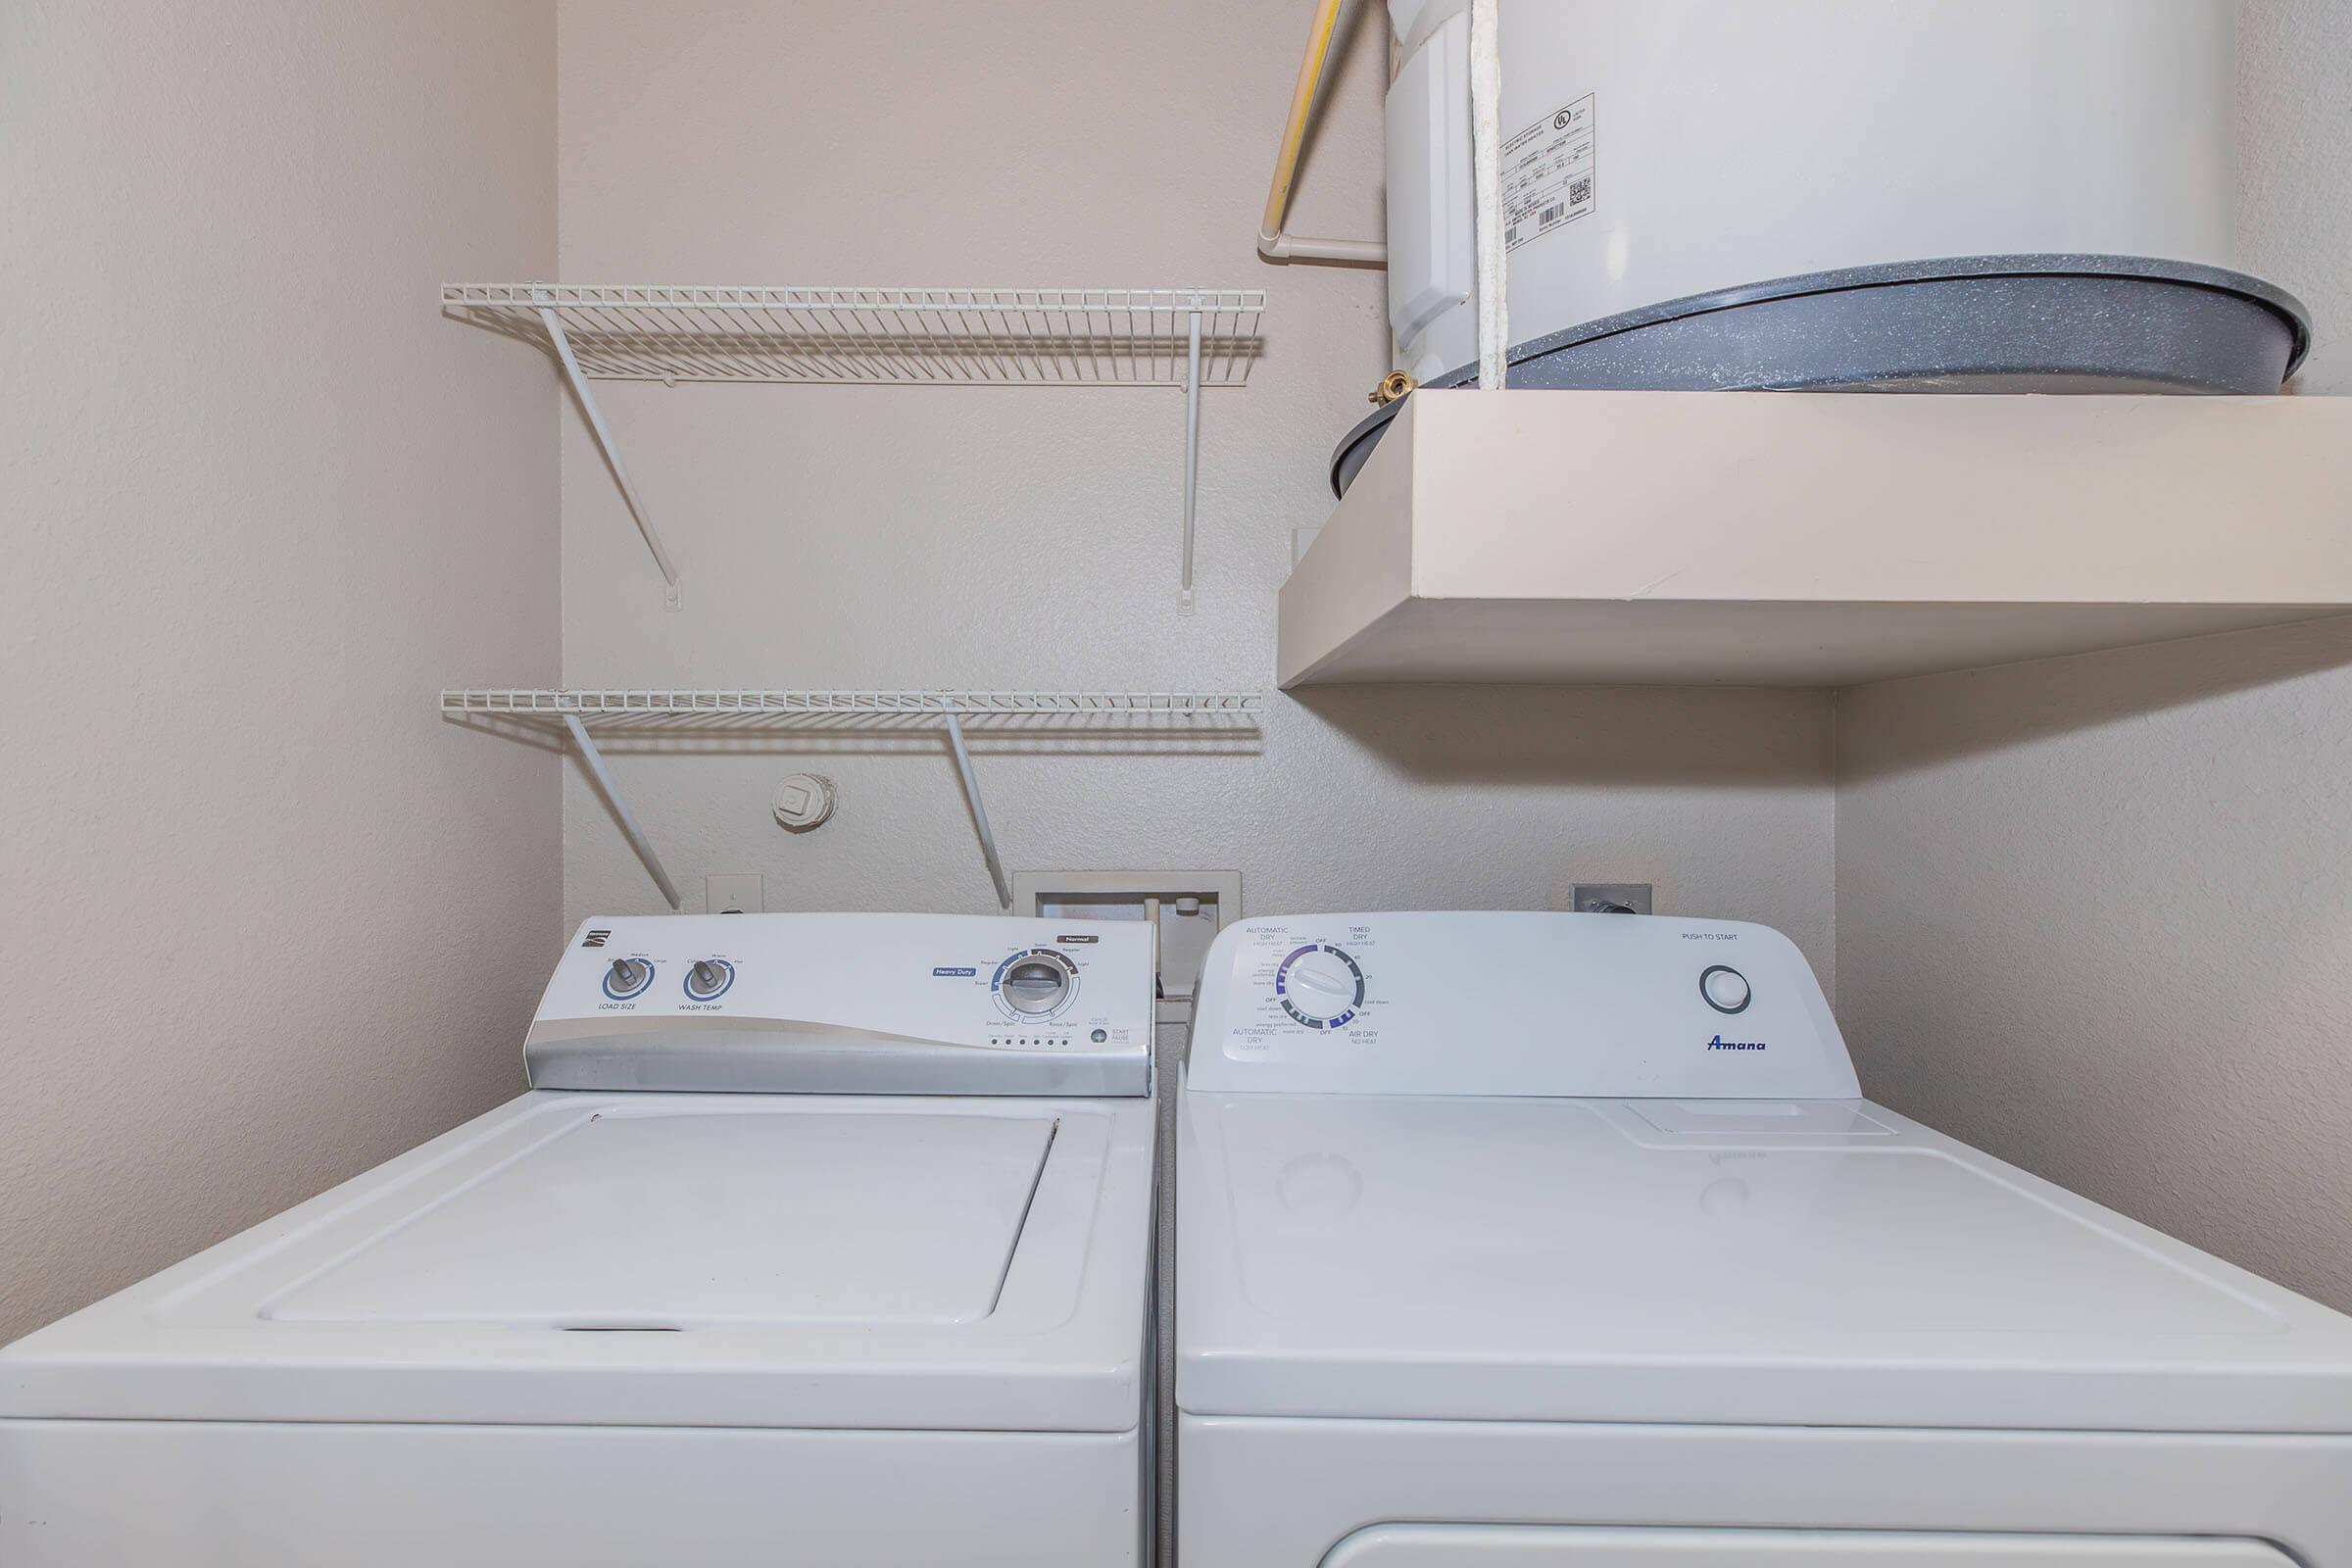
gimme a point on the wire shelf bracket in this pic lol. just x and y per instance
(1185, 338)
(595, 760)
(570, 713)
(672, 597)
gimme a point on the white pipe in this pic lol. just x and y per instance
(1289, 247)
(1486, 163)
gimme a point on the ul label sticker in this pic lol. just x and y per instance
(1548, 172)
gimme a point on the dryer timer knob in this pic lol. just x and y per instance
(1320, 986)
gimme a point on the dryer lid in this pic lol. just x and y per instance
(1792, 1262)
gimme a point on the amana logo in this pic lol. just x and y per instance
(596, 939)
(1721, 1044)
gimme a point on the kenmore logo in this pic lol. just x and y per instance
(1721, 1044)
(948, 971)
(595, 939)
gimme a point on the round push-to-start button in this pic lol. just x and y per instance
(708, 980)
(1726, 989)
(627, 977)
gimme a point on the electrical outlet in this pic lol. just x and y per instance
(734, 893)
(1612, 897)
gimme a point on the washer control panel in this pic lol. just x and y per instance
(1596, 1006)
(849, 1002)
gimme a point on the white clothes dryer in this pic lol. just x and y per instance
(1563, 1241)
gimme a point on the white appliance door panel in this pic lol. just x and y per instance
(1283, 1493)
(1429, 1258)
(1548, 1546)
(262, 1495)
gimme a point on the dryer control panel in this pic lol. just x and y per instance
(849, 1004)
(1602, 1006)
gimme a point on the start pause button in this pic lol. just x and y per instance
(1726, 989)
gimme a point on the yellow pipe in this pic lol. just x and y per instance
(1303, 106)
(1272, 242)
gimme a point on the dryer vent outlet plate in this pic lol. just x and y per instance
(804, 801)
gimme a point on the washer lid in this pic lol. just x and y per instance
(1792, 1262)
(579, 1259)
(631, 1220)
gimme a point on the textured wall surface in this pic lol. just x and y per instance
(2094, 913)
(269, 922)
(262, 503)
(1029, 537)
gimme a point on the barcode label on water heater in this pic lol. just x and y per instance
(1547, 173)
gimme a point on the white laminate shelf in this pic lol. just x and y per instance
(1814, 539)
(741, 709)
(1183, 338)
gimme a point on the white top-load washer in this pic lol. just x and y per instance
(1560, 1240)
(882, 1300)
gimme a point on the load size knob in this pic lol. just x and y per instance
(627, 977)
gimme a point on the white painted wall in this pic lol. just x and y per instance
(1027, 537)
(261, 505)
(2095, 913)
(269, 920)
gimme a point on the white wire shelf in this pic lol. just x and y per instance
(844, 336)
(1188, 338)
(571, 712)
(731, 706)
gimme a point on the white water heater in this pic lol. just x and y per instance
(1884, 194)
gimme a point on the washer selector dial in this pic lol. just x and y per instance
(1035, 984)
(1320, 986)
